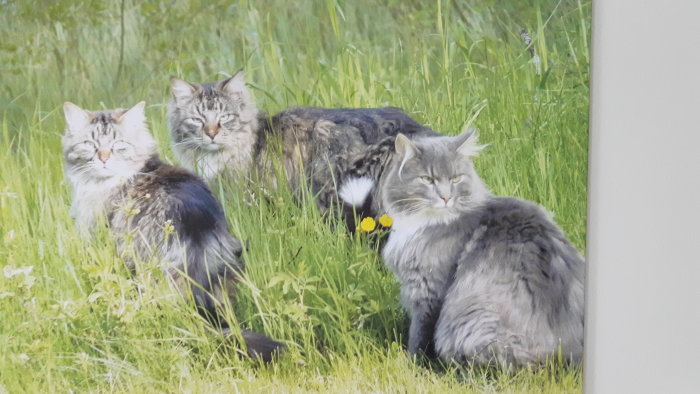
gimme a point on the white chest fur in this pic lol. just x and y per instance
(409, 247)
(204, 163)
(416, 259)
(401, 241)
(90, 200)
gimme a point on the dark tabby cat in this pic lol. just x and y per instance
(216, 128)
(155, 210)
(484, 278)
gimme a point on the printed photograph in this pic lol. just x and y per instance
(293, 196)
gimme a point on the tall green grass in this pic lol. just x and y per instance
(79, 321)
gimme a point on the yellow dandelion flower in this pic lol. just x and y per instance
(386, 220)
(368, 224)
(169, 229)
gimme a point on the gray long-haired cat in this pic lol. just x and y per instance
(484, 278)
(216, 128)
(154, 210)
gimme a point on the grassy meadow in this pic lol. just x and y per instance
(72, 318)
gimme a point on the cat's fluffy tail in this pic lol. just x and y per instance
(259, 346)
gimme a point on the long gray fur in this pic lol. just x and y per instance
(485, 279)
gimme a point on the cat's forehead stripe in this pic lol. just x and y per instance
(209, 99)
(102, 118)
(103, 125)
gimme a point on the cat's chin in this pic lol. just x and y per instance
(428, 216)
(106, 174)
(212, 147)
(99, 174)
(440, 212)
(441, 206)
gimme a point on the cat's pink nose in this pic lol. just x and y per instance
(211, 130)
(103, 155)
(445, 199)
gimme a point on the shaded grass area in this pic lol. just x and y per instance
(78, 320)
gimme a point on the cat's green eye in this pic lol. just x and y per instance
(456, 179)
(427, 180)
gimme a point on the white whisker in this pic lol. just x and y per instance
(397, 205)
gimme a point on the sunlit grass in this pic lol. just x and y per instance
(76, 319)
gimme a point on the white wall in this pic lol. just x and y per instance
(643, 283)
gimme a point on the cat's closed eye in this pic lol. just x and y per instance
(84, 150)
(194, 121)
(87, 145)
(120, 147)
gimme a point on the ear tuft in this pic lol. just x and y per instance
(467, 143)
(406, 149)
(76, 118)
(182, 90)
(234, 87)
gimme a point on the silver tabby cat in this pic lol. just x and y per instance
(485, 279)
(155, 211)
(216, 128)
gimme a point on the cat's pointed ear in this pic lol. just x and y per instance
(234, 87)
(405, 147)
(467, 143)
(182, 90)
(76, 118)
(133, 118)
